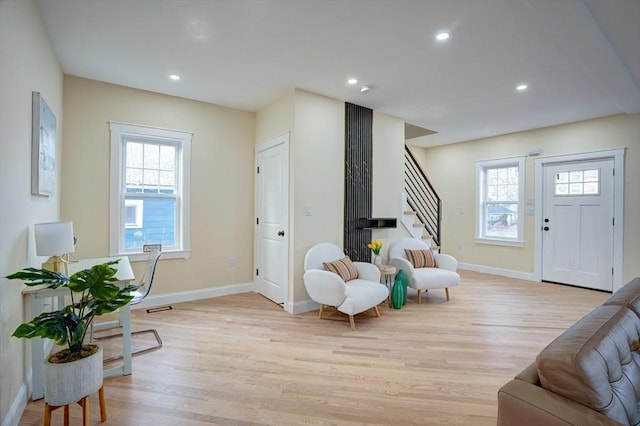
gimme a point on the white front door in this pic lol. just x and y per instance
(577, 224)
(272, 204)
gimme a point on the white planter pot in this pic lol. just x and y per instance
(70, 382)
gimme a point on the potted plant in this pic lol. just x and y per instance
(75, 371)
(375, 246)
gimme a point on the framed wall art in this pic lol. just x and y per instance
(43, 148)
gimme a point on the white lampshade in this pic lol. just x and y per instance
(53, 238)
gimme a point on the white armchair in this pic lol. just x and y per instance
(329, 289)
(443, 275)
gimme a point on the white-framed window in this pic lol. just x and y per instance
(149, 197)
(500, 201)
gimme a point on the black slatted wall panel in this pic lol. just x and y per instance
(358, 184)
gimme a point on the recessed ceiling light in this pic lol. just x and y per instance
(352, 81)
(521, 87)
(365, 88)
(442, 36)
(174, 77)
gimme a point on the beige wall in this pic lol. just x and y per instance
(222, 159)
(317, 176)
(28, 64)
(451, 169)
(277, 118)
(388, 176)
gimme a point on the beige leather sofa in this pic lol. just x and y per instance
(589, 375)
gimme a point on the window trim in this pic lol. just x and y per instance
(481, 167)
(116, 201)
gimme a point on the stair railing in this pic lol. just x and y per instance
(422, 197)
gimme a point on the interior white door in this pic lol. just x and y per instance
(577, 224)
(272, 201)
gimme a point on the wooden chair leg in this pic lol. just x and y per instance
(320, 311)
(446, 290)
(375, 308)
(103, 405)
(66, 415)
(353, 322)
(419, 297)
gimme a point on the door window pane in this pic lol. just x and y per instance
(580, 182)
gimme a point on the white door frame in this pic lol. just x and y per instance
(283, 138)
(618, 206)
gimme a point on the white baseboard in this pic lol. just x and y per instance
(528, 276)
(189, 296)
(301, 307)
(17, 407)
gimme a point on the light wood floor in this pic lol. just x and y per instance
(241, 360)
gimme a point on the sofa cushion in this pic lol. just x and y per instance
(343, 267)
(596, 363)
(628, 296)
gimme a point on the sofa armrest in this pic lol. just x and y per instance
(524, 404)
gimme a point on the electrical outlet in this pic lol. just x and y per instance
(307, 209)
(232, 261)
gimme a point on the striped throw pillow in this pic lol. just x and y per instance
(343, 267)
(421, 258)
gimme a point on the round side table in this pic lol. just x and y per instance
(387, 272)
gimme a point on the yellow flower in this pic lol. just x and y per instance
(375, 246)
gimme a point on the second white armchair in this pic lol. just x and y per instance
(424, 272)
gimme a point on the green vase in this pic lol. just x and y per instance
(396, 295)
(401, 278)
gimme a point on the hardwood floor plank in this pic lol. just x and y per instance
(241, 360)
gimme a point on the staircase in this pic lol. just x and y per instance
(421, 205)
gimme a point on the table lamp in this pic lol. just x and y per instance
(54, 239)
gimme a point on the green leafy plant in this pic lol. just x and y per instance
(93, 292)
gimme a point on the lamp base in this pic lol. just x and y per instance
(56, 264)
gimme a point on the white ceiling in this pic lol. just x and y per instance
(580, 58)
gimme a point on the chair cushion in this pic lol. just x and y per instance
(421, 258)
(343, 267)
(362, 295)
(428, 278)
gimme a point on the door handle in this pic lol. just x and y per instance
(280, 233)
(546, 228)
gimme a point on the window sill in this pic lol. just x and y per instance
(499, 242)
(172, 254)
